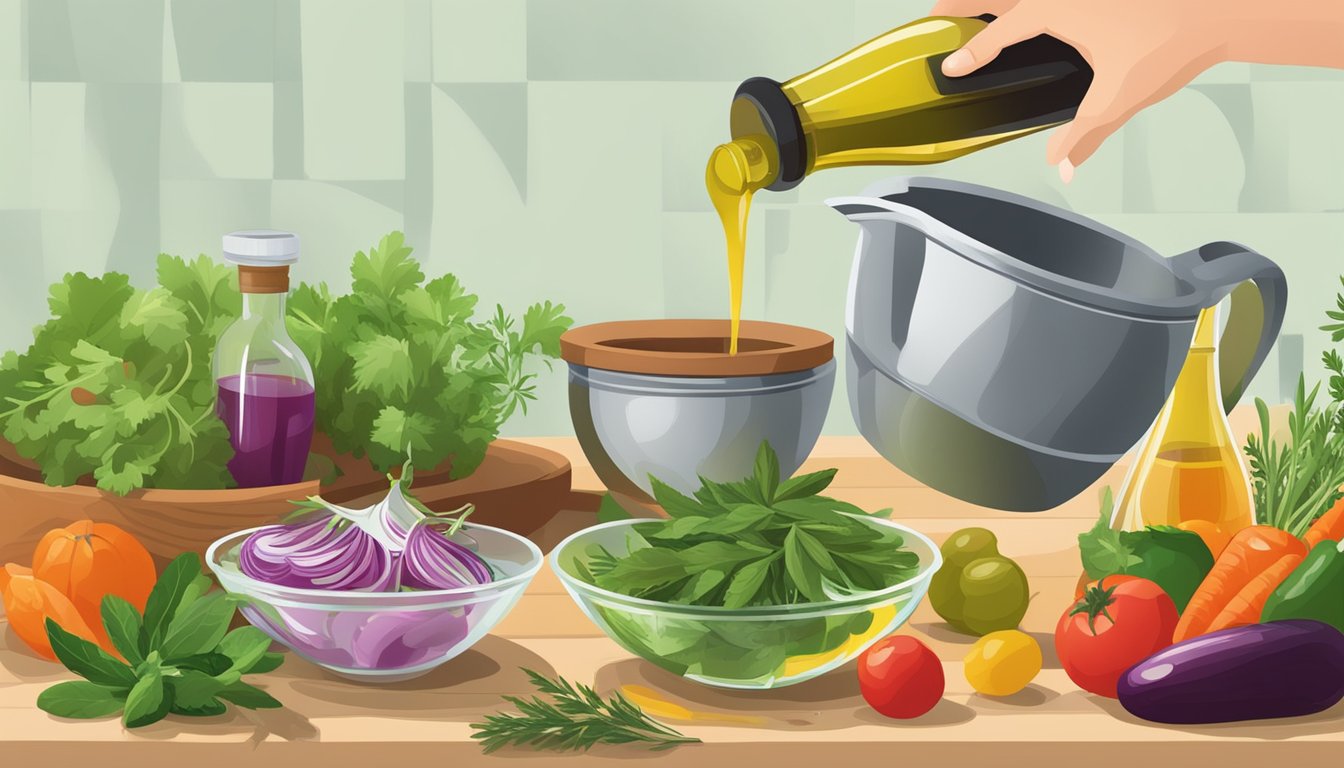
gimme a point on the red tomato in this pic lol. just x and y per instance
(1115, 626)
(900, 677)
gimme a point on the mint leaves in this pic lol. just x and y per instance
(759, 541)
(117, 384)
(405, 369)
(180, 657)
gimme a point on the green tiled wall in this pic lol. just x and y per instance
(555, 148)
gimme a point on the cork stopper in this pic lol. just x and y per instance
(263, 279)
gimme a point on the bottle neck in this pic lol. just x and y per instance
(264, 306)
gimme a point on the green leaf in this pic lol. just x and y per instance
(88, 660)
(124, 628)
(148, 702)
(157, 317)
(383, 366)
(269, 662)
(245, 646)
(403, 432)
(213, 663)
(611, 510)
(387, 270)
(80, 699)
(543, 324)
(210, 708)
(766, 472)
(748, 581)
(802, 486)
(673, 502)
(193, 690)
(804, 574)
(199, 627)
(249, 697)
(183, 575)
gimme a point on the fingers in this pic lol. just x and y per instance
(1012, 27)
(1103, 110)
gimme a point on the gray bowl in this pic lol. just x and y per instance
(678, 429)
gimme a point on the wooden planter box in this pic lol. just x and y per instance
(518, 487)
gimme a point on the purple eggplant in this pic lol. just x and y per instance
(1279, 669)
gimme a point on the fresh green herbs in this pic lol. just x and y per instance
(405, 370)
(575, 718)
(117, 384)
(759, 541)
(180, 657)
(1176, 560)
(1296, 483)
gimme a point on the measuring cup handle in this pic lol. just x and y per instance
(1259, 297)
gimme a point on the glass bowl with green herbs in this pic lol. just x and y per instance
(754, 584)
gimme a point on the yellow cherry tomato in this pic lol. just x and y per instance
(1003, 663)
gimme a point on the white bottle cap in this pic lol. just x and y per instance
(261, 248)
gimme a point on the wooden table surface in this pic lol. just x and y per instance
(1049, 723)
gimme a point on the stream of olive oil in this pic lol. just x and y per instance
(735, 171)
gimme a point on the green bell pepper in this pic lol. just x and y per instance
(1314, 590)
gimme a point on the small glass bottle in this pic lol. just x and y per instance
(265, 384)
(1190, 466)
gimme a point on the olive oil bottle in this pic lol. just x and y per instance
(1190, 470)
(885, 102)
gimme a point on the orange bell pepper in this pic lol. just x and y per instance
(29, 602)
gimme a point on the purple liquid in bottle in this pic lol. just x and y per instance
(270, 421)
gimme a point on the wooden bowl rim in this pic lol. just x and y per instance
(696, 347)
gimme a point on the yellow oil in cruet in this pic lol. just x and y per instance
(1190, 467)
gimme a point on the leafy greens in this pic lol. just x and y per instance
(179, 657)
(118, 384)
(758, 541)
(404, 369)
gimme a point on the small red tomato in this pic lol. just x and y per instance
(900, 677)
(1113, 627)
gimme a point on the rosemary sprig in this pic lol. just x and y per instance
(575, 719)
(1296, 483)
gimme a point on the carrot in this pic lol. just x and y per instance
(1329, 526)
(1251, 551)
(1245, 606)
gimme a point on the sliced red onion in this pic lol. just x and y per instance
(327, 553)
(433, 560)
(382, 548)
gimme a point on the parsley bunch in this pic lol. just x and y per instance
(118, 384)
(759, 541)
(403, 368)
(180, 657)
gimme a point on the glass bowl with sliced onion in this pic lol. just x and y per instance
(380, 594)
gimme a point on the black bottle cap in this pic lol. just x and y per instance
(780, 119)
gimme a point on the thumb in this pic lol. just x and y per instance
(1010, 28)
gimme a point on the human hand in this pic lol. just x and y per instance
(1140, 51)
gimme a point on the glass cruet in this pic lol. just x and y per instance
(265, 384)
(1190, 466)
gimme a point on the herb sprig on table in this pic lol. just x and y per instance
(575, 718)
(758, 541)
(179, 656)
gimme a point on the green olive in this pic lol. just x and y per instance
(977, 590)
(994, 595)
